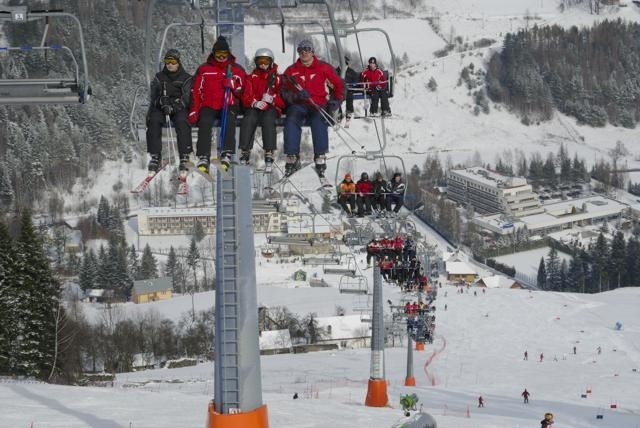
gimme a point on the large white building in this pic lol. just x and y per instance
(559, 216)
(492, 193)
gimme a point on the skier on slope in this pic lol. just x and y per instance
(525, 394)
(266, 106)
(208, 101)
(305, 92)
(170, 95)
(547, 422)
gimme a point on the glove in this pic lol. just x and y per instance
(267, 98)
(166, 109)
(303, 95)
(193, 118)
(164, 101)
(260, 105)
(333, 105)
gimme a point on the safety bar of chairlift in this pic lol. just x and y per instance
(44, 48)
(32, 16)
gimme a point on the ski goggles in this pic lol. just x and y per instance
(171, 61)
(303, 50)
(221, 54)
(263, 60)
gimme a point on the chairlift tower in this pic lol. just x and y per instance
(377, 386)
(237, 397)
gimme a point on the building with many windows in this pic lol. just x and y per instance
(180, 221)
(492, 193)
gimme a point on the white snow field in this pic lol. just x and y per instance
(478, 351)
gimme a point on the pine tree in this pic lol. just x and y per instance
(133, 264)
(8, 303)
(193, 258)
(7, 194)
(553, 270)
(39, 303)
(103, 212)
(542, 275)
(170, 268)
(631, 276)
(148, 265)
(198, 231)
(88, 271)
(102, 277)
(564, 283)
(600, 256)
(616, 264)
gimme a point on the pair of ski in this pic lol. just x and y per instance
(183, 187)
(325, 184)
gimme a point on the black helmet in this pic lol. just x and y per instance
(378, 175)
(364, 176)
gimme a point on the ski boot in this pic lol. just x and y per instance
(321, 165)
(184, 160)
(292, 165)
(225, 160)
(386, 113)
(245, 156)
(203, 164)
(268, 162)
(154, 164)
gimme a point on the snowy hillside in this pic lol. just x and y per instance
(478, 351)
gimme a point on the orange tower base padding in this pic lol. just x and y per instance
(419, 346)
(377, 393)
(410, 381)
(255, 419)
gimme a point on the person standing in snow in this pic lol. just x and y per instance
(480, 401)
(526, 356)
(525, 394)
(547, 422)
(266, 106)
(541, 356)
(305, 90)
(170, 96)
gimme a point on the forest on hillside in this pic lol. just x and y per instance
(592, 74)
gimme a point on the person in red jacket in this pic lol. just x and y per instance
(208, 101)
(306, 93)
(266, 106)
(364, 195)
(376, 86)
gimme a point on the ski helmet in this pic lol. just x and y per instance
(263, 52)
(364, 176)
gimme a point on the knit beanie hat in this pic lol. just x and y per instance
(172, 54)
(305, 44)
(220, 45)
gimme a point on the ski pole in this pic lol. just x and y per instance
(327, 117)
(225, 111)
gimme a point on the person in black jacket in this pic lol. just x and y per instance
(170, 96)
(351, 78)
(396, 193)
(379, 194)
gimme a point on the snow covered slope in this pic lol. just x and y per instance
(478, 351)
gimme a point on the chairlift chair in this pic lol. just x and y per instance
(70, 89)
(353, 284)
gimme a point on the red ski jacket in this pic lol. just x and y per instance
(364, 187)
(258, 80)
(374, 79)
(314, 79)
(208, 86)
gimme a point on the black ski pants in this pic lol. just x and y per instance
(383, 96)
(349, 199)
(379, 202)
(267, 121)
(205, 125)
(396, 200)
(364, 204)
(181, 130)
